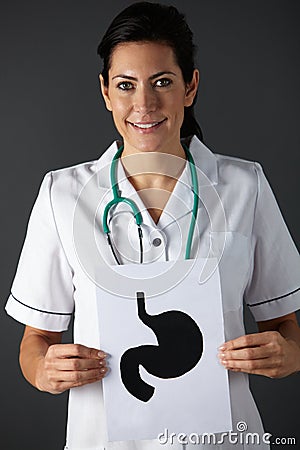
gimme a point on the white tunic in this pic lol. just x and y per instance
(259, 264)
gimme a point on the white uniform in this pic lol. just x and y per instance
(260, 264)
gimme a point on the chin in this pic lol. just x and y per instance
(146, 145)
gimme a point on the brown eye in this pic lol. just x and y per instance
(125, 86)
(163, 82)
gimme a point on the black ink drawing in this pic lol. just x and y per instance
(179, 349)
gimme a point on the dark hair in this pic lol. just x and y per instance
(153, 22)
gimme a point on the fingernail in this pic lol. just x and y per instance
(102, 354)
(222, 348)
(103, 370)
(104, 374)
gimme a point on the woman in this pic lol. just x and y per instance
(149, 83)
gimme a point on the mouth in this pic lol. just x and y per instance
(146, 127)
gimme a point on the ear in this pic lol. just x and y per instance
(191, 89)
(104, 91)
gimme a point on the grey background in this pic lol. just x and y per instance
(52, 116)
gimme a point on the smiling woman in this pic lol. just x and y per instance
(147, 97)
(151, 178)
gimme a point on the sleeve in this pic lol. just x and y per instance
(42, 290)
(273, 289)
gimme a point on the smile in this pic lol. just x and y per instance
(146, 125)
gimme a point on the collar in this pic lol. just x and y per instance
(205, 160)
(180, 202)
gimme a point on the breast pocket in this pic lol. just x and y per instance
(232, 250)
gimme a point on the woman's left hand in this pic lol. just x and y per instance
(267, 353)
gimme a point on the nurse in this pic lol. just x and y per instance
(149, 83)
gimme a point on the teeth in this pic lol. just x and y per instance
(145, 125)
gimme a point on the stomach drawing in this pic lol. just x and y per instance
(178, 350)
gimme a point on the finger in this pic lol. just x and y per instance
(81, 376)
(250, 340)
(248, 353)
(250, 366)
(77, 364)
(273, 372)
(65, 385)
(75, 351)
(58, 386)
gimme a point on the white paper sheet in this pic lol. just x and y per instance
(197, 401)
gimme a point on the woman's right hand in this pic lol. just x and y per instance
(54, 367)
(65, 366)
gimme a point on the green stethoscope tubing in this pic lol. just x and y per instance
(195, 187)
(136, 212)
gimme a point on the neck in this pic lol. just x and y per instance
(153, 169)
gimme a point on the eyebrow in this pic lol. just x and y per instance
(152, 77)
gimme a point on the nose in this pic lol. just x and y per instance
(145, 100)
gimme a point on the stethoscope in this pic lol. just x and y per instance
(137, 214)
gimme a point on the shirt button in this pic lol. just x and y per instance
(156, 242)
